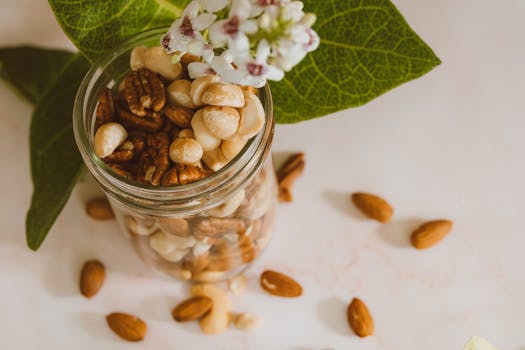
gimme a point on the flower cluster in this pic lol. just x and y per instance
(244, 41)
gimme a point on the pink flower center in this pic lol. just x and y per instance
(186, 27)
(165, 41)
(232, 27)
(255, 69)
(267, 2)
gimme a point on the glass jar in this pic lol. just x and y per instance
(207, 230)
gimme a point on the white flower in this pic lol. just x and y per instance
(249, 71)
(290, 52)
(232, 31)
(186, 30)
(213, 6)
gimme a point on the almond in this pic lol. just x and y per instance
(430, 233)
(279, 284)
(99, 209)
(373, 206)
(359, 318)
(128, 327)
(91, 278)
(192, 309)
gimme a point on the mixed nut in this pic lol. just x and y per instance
(166, 125)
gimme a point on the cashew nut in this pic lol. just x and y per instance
(185, 151)
(108, 137)
(231, 147)
(229, 207)
(199, 86)
(222, 122)
(141, 228)
(214, 159)
(209, 276)
(135, 59)
(218, 319)
(246, 321)
(157, 60)
(165, 244)
(202, 134)
(252, 117)
(176, 255)
(237, 283)
(179, 93)
(226, 95)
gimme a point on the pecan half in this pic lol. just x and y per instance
(154, 162)
(171, 178)
(180, 116)
(153, 122)
(287, 174)
(212, 226)
(123, 154)
(189, 173)
(144, 90)
(138, 138)
(124, 170)
(105, 109)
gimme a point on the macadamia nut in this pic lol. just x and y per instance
(108, 137)
(186, 133)
(136, 61)
(207, 140)
(231, 147)
(225, 95)
(185, 151)
(222, 122)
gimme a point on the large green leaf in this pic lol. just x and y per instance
(95, 26)
(367, 48)
(31, 70)
(55, 161)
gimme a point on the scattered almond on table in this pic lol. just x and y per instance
(279, 284)
(99, 209)
(359, 318)
(92, 278)
(430, 233)
(192, 309)
(373, 206)
(126, 326)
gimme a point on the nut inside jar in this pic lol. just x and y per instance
(167, 126)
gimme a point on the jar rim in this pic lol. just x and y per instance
(188, 197)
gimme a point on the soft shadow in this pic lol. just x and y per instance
(332, 313)
(94, 325)
(397, 232)
(63, 273)
(342, 202)
(158, 307)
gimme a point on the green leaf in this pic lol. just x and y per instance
(367, 48)
(56, 163)
(95, 26)
(31, 70)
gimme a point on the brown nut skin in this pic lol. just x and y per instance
(126, 326)
(373, 206)
(192, 309)
(279, 284)
(180, 116)
(92, 278)
(430, 233)
(99, 209)
(105, 109)
(359, 318)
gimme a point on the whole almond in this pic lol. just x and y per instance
(359, 318)
(373, 206)
(91, 278)
(192, 309)
(279, 284)
(430, 233)
(99, 209)
(126, 326)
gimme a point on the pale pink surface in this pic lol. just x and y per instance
(450, 145)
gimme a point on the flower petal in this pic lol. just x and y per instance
(203, 21)
(199, 69)
(216, 33)
(213, 5)
(192, 10)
